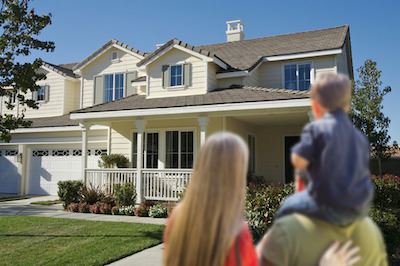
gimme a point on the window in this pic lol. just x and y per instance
(176, 75)
(41, 94)
(114, 56)
(297, 76)
(12, 98)
(113, 87)
(251, 141)
(179, 149)
(151, 150)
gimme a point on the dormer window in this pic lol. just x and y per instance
(297, 76)
(176, 75)
(114, 57)
(41, 94)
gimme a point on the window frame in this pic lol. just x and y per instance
(297, 63)
(44, 94)
(252, 157)
(182, 76)
(180, 131)
(114, 85)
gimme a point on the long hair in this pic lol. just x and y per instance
(210, 216)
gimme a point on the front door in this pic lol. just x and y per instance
(289, 172)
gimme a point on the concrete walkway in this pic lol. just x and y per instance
(24, 208)
(148, 257)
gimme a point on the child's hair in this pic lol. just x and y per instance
(211, 212)
(332, 91)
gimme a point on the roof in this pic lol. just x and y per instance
(62, 69)
(55, 121)
(173, 42)
(140, 79)
(219, 96)
(105, 47)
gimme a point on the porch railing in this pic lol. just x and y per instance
(105, 179)
(157, 184)
(165, 184)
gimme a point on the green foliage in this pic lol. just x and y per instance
(387, 192)
(113, 160)
(91, 195)
(158, 211)
(69, 191)
(367, 109)
(19, 28)
(127, 210)
(262, 202)
(125, 195)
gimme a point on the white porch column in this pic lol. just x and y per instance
(203, 121)
(84, 128)
(140, 125)
(22, 168)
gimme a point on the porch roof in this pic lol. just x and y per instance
(236, 94)
(55, 121)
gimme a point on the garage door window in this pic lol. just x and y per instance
(100, 152)
(60, 153)
(11, 153)
(40, 153)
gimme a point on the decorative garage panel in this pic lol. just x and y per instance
(10, 152)
(100, 152)
(60, 153)
(40, 153)
(77, 153)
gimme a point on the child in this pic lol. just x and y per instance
(335, 156)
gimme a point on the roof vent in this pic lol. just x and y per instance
(234, 31)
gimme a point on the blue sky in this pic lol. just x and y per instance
(80, 27)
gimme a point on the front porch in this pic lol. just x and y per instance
(162, 148)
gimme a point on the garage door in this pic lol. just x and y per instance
(48, 166)
(9, 177)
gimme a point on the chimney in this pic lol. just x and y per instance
(234, 31)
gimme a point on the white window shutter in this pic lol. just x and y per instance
(165, 76)
(34, 95)
(187, 74)
(46, 93)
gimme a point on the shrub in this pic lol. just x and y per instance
(109, 199)
(125, 195)
(73, 207)
(68, 191)
(94, 208)
(83, 207)
(115, 210)
(105, 208)
(142, 210)
(91, 195)
(158, 211)
(127, 210)
(113, 160)
(387, 191)
(262, 202)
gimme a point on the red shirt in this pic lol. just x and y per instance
(244, 240)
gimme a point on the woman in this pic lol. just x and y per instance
(208, 227)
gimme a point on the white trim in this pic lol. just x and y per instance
(302, 55)
(50, 70)
(234, 74)
(55, 129)
(195, 109)
(81, 92)
(189, 51)
(114, 45)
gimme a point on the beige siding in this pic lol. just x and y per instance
(103, 65)
(227, 82)
(71, 95)
(212, 76)
(253, 79)
(341, 61)
(199, 76)
(270, 74)
(55, 105)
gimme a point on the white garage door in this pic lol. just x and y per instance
(48, 166)
(9, 177)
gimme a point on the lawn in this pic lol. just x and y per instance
(54, 241)
(47, 202)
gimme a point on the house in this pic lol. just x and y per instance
(158, 108)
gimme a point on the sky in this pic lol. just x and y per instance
(79, 27)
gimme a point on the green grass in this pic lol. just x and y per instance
(54, 241)
(47, 202)
(2, 199)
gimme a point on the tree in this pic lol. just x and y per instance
(19, 27)
(367, 110)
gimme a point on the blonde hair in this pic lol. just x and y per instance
(211, 214)
(332, 91)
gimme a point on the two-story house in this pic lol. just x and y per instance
(158, 108)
